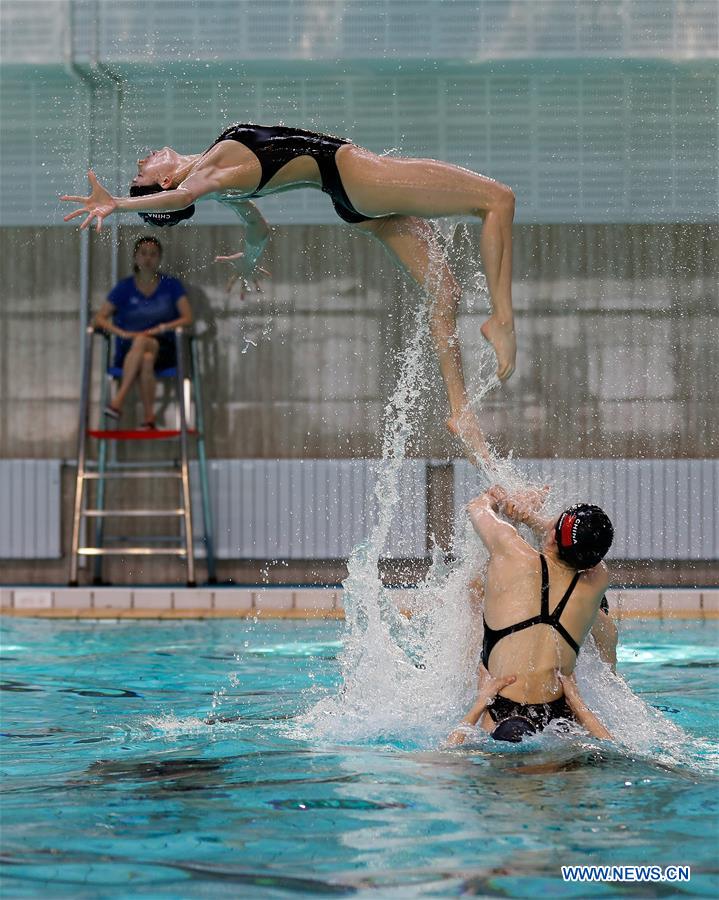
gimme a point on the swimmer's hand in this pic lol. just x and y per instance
(488, 688)
(523, 507)
(533, 499)
(246, 272)
(99, 205)
(581, 711)
(456, 737)
(497, 494)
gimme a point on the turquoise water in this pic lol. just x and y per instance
(114, 785)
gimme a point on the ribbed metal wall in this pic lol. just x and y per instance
(576, 146)
(30, 509)
(322, 509)
(661, 509)
(241, 30)
(309, 509)
(592, 111)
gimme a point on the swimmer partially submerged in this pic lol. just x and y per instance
(519, 722)
(389, 198)
(537, 609)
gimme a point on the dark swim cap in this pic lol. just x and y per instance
(584, 535)
(160, 218)
(513, 729)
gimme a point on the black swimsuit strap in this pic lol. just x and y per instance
(554, 617)
(545, 587)
(500, 633)
(567, 636)
(559, 608)
(493, 636)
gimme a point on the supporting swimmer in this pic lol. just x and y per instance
(534, 637)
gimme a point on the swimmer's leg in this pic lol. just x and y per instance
(427, 188)
(412, 244)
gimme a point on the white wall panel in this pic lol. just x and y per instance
(322, 509)
(30, 508)
(661, 509)
(308, 509)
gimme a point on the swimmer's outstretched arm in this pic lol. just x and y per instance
(100, 203)
(489, 687)
(582, 713)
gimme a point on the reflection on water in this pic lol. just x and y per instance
(101, 791)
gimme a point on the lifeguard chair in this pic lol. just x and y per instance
(105, 465)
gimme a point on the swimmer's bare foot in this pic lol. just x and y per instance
(501, 336)
(465, 426)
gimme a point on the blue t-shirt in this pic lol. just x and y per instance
(136, 312)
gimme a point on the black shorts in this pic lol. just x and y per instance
(166, 356)
(539, 714)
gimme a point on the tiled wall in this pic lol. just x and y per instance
(290, 602)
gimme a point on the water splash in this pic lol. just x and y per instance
(404, 677)
(408, 676)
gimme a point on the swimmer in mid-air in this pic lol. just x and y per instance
(387, 197)
(538, 608)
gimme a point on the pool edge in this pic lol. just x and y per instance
(130, 602)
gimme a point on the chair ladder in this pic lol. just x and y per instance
(178, 469)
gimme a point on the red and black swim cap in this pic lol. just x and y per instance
(584, 534)
(160, 219)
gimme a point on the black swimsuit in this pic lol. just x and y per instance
(275, 146)
(538, 713)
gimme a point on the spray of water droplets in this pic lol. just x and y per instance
(408, 679)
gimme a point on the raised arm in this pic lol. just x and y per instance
(257, 232)
(582, 713)
(100, 203)
(604, 632)
(493, 531)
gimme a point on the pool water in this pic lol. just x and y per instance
(171, 760)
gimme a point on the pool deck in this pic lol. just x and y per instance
(215, 602)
